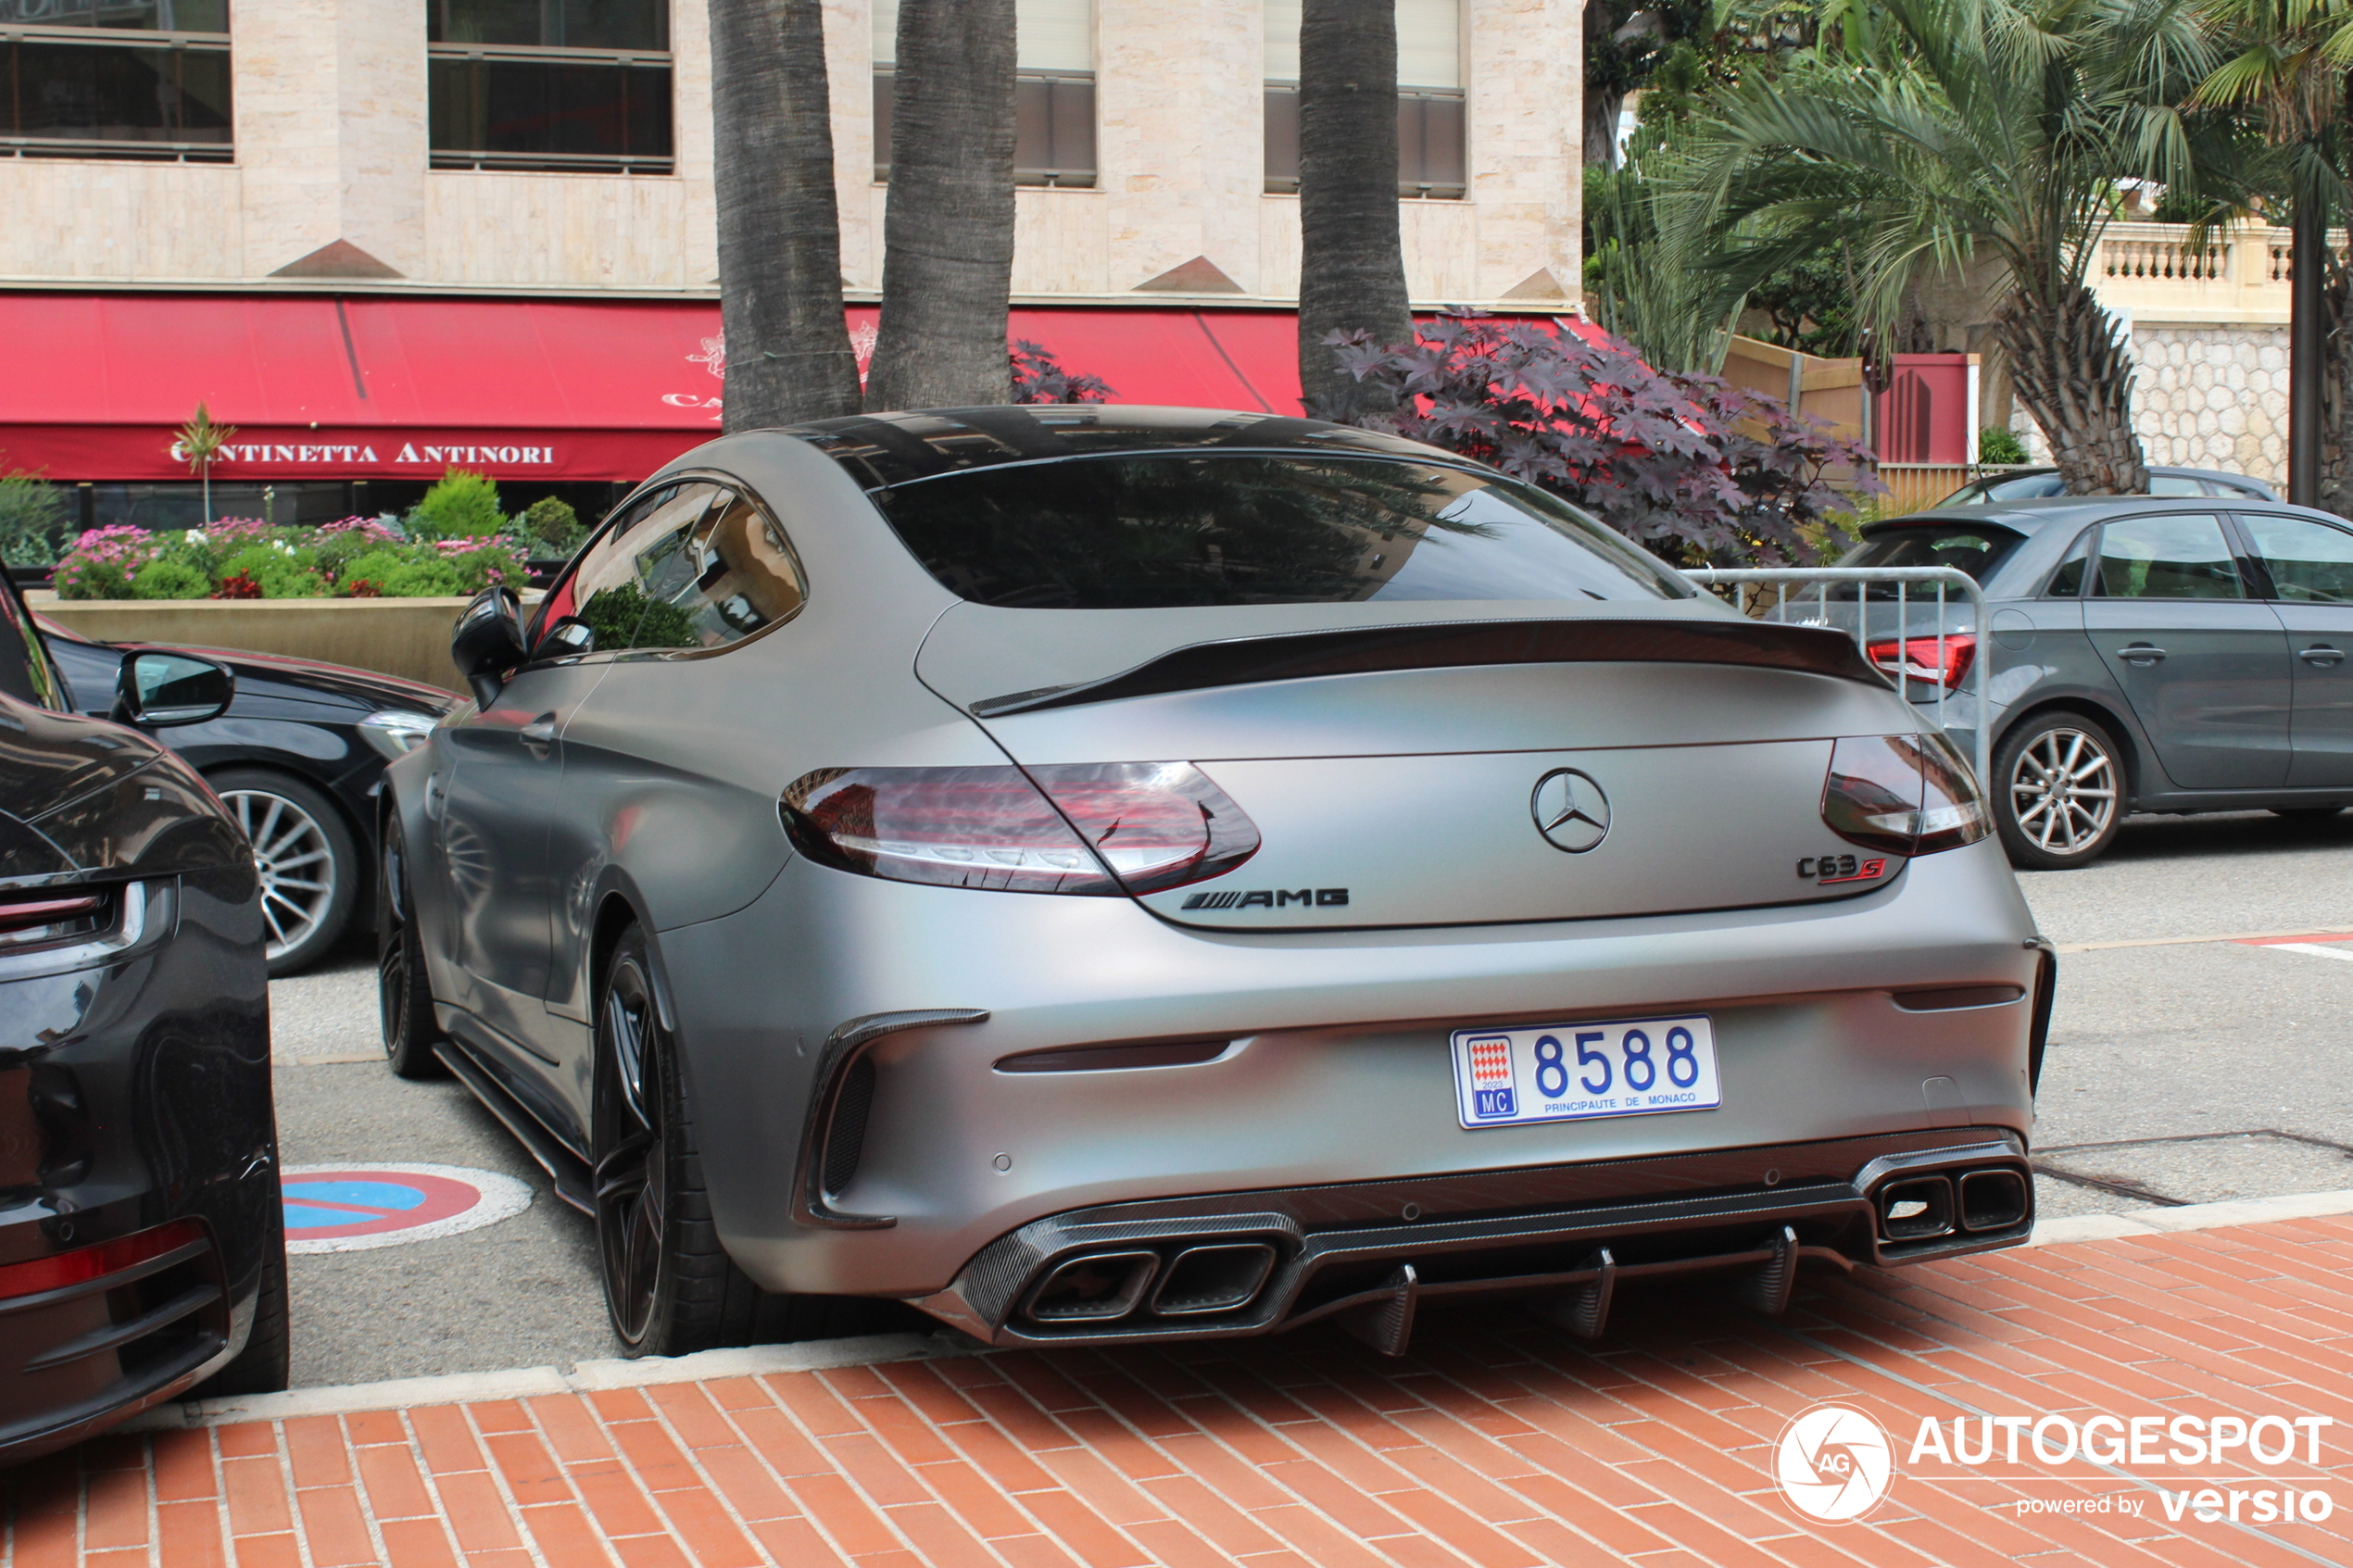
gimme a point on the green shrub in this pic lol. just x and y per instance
(551, 522)
(32, 520)
(406, 573)
(165, 578)
(94, 580)
(461, 504)
(495, 563)
(1998, 443)
(281, 574)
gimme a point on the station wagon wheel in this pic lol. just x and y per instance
(670, 1287)
(2061, 793)
(309, 868)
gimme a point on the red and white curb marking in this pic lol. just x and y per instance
(352, 1207)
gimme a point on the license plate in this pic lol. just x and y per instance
(1572, 1072)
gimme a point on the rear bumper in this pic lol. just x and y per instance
(1369, 1252)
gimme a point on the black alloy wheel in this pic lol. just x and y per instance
(2058, 794)
(670, 1287)
(404, 993)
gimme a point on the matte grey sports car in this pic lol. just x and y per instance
(1101, 873)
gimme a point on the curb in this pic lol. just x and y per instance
(2192, 1217)
(760, 1360)
(522, 1382)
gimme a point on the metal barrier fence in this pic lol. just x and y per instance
(1820, 609)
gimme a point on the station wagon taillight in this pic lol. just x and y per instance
(1907, 795)
(1099, 829)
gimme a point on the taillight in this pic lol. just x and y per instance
(1938, 661)
(28, 920)
(1096, 828)
(1907, 795)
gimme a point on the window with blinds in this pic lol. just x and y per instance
(578, 86)
(116, 78)
(1430, 122)
(1053, 91)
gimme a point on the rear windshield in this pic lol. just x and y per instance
(1149, 530)
(1975, 550)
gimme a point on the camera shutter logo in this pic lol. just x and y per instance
(1833, 1463)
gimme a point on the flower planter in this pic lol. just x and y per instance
(404, 637)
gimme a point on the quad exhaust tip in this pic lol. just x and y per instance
(1924, 1208)
(1099, 1287)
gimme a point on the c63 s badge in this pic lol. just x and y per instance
(1826, 869)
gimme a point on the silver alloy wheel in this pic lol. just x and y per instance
(298, 866)
(2063, 791)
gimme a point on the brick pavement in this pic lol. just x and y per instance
(1499, 1441)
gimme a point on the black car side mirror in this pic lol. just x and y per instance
(487, 644)
(158, 689)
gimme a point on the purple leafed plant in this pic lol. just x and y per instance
(1698, 470)
(1038, 377)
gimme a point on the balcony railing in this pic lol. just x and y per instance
(2159, 271)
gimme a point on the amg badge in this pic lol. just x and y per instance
(1325, 898)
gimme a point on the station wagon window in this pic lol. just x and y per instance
(1973, 547)
(692, 566)
(2176, 557)
(2067, 583)
(2309, 562)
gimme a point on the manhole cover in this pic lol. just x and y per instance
(2208, 1168)
(352, 1207)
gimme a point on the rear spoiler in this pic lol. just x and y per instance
(1242, 661)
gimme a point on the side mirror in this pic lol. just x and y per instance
(160, 689)
(487, 644)
(567, 638)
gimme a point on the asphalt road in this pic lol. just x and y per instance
(2197, 1069)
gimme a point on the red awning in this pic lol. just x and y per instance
(384, 387)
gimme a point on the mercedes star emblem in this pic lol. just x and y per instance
(1571, 811)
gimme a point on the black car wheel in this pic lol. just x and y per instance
(2060, 792)
(263, 1365)
(669, 1284)
(310, 867)
(404, 993)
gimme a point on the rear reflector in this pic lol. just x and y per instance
(1109, 828)
(1938, 661)
(85, 1263)
(1907, 795)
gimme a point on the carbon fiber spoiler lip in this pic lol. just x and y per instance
(1242, 662)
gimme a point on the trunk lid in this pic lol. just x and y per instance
(1402, 771)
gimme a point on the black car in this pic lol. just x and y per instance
(142, 1249)
(298, 759)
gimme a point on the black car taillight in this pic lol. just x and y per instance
(1937, 661)
(1096, 828)
(1907, 795)
(30, 919)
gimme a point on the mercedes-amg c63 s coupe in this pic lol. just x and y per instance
(1109, 872)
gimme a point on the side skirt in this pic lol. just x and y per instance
(569, 1172)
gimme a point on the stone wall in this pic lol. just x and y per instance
(2204, 396)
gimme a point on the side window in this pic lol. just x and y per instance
(2310, 562)
(701, 568)
(24, 671)
(2178, 485)
(2178, 557)
(2067, 583)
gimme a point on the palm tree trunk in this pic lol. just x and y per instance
(2068, 368)
(1352, 264)
(948, 229)
(788, 353)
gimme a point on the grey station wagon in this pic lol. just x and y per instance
(2146, 654)
(1101, 873)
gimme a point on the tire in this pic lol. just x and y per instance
(404, 992)
(2050, 829)
(670, 1287)
(308, 863)
(263, 1365)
